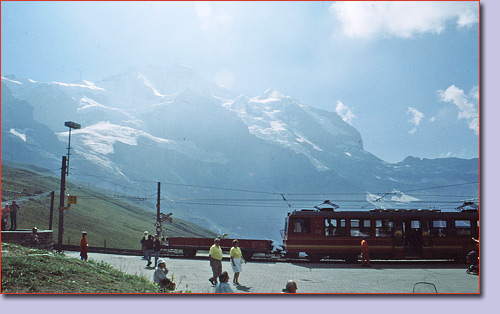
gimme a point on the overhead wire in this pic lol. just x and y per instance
(248, 202)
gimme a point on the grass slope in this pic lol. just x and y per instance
(105, 218)
(26, 270)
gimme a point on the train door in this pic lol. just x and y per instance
(412, 234)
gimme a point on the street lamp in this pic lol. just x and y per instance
(70, 125)
(64, 173)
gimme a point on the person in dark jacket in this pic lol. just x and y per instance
(156, 248)
(14, 208)
(148, 247)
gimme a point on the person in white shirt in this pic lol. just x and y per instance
(160, 276)
(222, 286)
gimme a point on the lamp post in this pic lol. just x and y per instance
(64, 173)
(70, 125)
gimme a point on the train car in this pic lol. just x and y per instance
(190, 246)
(391, 233)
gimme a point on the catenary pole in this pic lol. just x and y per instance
(51, 217)
(61, 205)
(158, 203)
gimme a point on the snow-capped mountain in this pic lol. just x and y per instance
(171, 125)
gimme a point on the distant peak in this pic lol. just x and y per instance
(272, 93)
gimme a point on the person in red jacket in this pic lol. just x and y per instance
(83, 246)
(365, 253)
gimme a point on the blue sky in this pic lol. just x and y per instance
(404, 74)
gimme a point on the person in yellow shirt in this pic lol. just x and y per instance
(236, 260)
(215, 257)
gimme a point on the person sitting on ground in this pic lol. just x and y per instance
(291, 287)
(35, 240)
(222, 286)
(160, 276)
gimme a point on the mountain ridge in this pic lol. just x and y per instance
(160, 127)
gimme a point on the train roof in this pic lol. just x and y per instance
(329, 212)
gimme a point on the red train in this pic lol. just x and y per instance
(391, 233)
(190, 246)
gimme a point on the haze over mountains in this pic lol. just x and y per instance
(231, 162)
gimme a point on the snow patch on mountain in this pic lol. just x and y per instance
(148, 83)
(85, 84)
(86, 103)
(97, 141)
(394, 199)
(20, 135)
(267, 118)
(12, 81)
(102, 137)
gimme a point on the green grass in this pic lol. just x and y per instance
(119, 224)
(26, 270)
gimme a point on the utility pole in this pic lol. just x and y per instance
(61, 205)
(52, 195)
(158, 207)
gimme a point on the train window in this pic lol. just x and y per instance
(384, 228)
(439, 228)
(360, 228)
(335, 227)
(330, 227)
(463, 228)
(301, 225)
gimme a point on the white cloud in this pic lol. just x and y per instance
(466, 109)
(202, 8)
(367, 19)
(211, 21)
(417, 116)
(344, 112)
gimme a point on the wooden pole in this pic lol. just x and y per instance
(158, 207)
(61, 205)
(52, 196)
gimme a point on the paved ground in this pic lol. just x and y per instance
(270, 277)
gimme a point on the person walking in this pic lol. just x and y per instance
(156, 248)
(84, 246)
(143, 243)
(149, 249)
(5, 216)
(236, 260)
(223, 286)
(14, 208)
(215, 257)
(365, 253)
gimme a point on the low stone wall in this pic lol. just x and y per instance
(23, 237)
